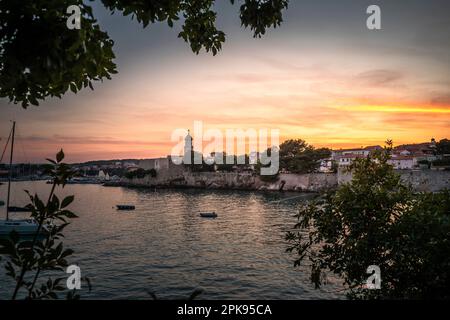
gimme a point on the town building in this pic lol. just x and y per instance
(166, 163)
(335, 154)
(348, 158)
(402, 162)
(326, 165)
(157, 163)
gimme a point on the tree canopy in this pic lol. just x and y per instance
(30, 260)
(297, 156)
(40, 57)
(443, 147)
(376, 220)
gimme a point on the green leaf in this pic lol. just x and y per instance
(67, 200)
(60, 156)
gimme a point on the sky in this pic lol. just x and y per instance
(322, 76)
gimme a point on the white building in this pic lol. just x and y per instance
(347, 158)
(402, 162)
(129, 164)
(101, 175)
(157, 164)
(364, 152)
(188, 149)
(326, 165)
(404, 152)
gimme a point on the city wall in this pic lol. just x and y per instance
(177, 177)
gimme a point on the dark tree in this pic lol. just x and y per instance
(40, 57)
(376, 220)
(27, 260)
(297, 156)
(443, 147)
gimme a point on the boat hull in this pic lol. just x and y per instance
(27, 227)
(18, 209)
(208, 215)
(125, 207)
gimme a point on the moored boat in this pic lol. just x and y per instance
(23, 227)
(208, 215)
(18, 209)
(125, 207)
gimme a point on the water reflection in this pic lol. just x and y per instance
(165, 247)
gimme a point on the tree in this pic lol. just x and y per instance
(376, 220)
(40, 57)
(297, 156)
(443, 147)
(27, 259)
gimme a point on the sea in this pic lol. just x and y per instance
(164, 249)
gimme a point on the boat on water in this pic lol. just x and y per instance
(23, 227)
(18, 209)
(125, 207)
(208, 215)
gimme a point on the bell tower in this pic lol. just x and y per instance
(188, 148)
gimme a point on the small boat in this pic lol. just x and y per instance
(208, 215)
(18, 209)
(125, 207)
(24, 227)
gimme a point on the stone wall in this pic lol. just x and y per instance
(420, 180)
(343, 176)
(308, 182)
(232, 180)
(426, 180)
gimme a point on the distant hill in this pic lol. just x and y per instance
(105, 162)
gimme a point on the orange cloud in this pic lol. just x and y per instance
(395, 109)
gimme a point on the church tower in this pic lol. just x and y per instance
(188, 149)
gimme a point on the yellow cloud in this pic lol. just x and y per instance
(393, 109)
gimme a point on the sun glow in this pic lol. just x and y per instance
(395, 109)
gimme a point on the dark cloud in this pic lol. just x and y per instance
(441, 99)
(380, 77)
(83, 140)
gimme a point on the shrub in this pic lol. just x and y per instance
(376, 220)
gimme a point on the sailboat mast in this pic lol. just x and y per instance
(10, 170)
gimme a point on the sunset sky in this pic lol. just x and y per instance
(322, 76)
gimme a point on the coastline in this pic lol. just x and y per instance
(420, 181)
(232, 181)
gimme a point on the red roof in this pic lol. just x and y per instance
(415, 147)
(402, 158)
(371, 148)
(368, 148)
(351, 156)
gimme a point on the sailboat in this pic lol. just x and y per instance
(23, 227)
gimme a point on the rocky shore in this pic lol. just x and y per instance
(314, 182)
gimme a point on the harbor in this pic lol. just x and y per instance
(165, 247)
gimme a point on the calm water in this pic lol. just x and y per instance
(166, 248)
